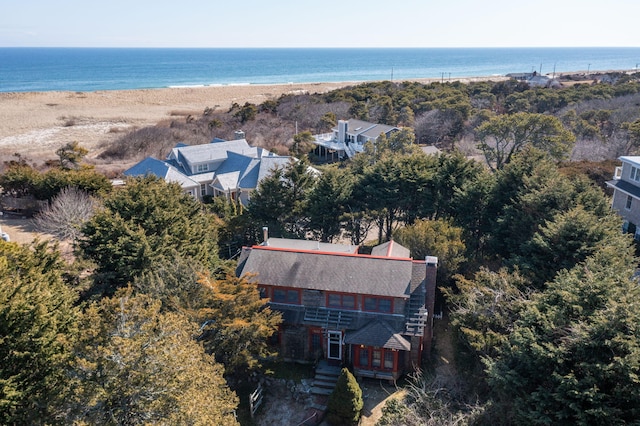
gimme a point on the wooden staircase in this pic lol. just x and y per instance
(416, 316)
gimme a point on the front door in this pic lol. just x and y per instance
(334, 345)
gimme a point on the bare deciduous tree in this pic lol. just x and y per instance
(66, 213)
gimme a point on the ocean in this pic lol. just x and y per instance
(91, 69)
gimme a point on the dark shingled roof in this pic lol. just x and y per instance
(625, 187)
(341, 272)
(378, 334)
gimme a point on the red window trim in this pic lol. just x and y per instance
(377, 299)
(272, 292)
(383, 352)
(342, 306)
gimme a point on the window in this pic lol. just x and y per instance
(635, 174)
(364, 357)
(388, 360)
(202, 168)
(281, 295)
(341, 301)
(203, 189)
(378, 304)
(628, 203)
(376, 358)
(263, 292)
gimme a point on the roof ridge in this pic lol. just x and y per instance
(330, 253)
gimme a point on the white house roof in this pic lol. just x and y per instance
(633, 159)
(216, 150)
(240, 165)
(226, 181)
(365, 128)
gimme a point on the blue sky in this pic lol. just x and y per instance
(327, 23)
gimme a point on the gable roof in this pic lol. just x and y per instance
(215, 150)
(245, 172)
(378, 334)
(390, 249)
(232, 165)
(162, 170)
(330, 271)
(366, 128)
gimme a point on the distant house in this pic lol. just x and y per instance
(349, 137)
(373, 312)
(230, 169)
(626, 193)
(533, 79)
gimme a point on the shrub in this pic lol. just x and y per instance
(345, 403)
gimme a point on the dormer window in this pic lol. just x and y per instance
(202, 168)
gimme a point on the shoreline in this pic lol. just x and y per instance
(36, 124)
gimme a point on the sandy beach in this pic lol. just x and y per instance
(35, 124)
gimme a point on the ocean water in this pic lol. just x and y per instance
(91, 69)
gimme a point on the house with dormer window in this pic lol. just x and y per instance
(626, 193)
(230, 169)
(373, 312)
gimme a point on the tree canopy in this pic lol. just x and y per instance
(38, 323)
(147, 222)
(135, 365)
(504, 135)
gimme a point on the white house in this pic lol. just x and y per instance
(349, 137)
(626, 193)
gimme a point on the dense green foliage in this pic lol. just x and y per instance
(345, 402)
(135, 365)
(147, 223)
(544, 303)
(37, 326)
(504, 135)
(236, 323)
(20, 179)
(573, 355)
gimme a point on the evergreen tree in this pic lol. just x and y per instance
(135, 365)
(345, 402)
(566, 240)
(236, 322)
(505, 135)
(146, 223)
(573, 356)
(280, 201)
(37, 325)
(328, 203)
(434, 238)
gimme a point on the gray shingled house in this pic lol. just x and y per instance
(373, 312)
(231, 169)
(626, 194)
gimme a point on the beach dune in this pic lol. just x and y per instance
(36, 124)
